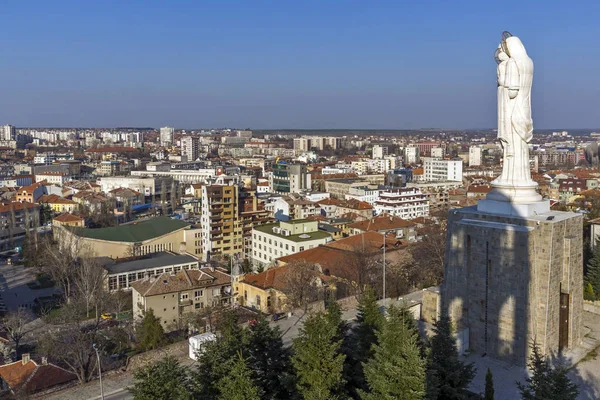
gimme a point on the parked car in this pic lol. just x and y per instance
(106, 316)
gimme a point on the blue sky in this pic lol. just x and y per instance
(284, 64)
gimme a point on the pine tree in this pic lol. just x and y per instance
(588, 293)
(151, 334)
(546, 382)
(317, 359)
(166, 380)
(447, 376)
(238, 383)
(489, 386)
(592, 276)
(369, 319)
(269, 361)
(217, 357)
(396, 370)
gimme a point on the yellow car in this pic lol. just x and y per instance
(106, 316)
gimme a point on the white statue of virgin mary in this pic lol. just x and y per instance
(515, 126)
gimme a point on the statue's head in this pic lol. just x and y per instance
(515, 48)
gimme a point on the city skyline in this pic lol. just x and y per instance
(277, 66)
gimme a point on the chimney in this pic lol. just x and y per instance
(44, 360)
(25, 358)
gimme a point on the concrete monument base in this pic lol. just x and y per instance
(513, 274)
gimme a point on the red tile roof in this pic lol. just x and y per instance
(381, 223)
(33, 377)
(68, 217)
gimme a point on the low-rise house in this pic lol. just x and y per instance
(361, 208)
(68, 219)
(58, 204)
(386, 224)
(31, 193)
(172, 295)
(27, 376)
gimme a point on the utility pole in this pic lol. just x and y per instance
(99, 371)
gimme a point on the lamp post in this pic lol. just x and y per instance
(99, 370)
(384, 297)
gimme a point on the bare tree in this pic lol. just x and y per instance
(88, 280)
(173, 196)
(363, 268)
(14, 324)
(61, 260)
(163, 198)
(302, 283)
(12, 224)
(73, 346)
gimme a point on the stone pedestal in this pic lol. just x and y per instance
(508, 268)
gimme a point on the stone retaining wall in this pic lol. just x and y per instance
(177, 350)
(591, 306)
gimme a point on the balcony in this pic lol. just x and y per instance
(216, 217)
(185, 303)
(215, 231)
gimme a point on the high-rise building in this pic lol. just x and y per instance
(438, 152)
(332, 142)
(190, 147)
(7, 132)
(411, 155)
(166, 136)
(379, 151)
(221, 230)
(288, 178)
(474, 156)
(301, 144)
(436, 169)
(317, 142)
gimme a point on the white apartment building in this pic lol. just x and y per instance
(369, 194)
(436, 169)
(7, 132)
(411, 155)
(379, 166)
(190, 147)
(272, 241)
(380, 151)
(474, 156)
(406, 203)
(332, 142)
(360, 167)
(301, 144)
(438, 152)
(166, 136)
(181, 175)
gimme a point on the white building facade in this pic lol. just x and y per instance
(436, 169)
(406, 203)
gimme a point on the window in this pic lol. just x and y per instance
(184, 296)
(198, 305)
(301, 248)
(258, 300)
(198, 294)
(246, 295)
(112, 283)
(293, 248)
(122, 281)
(287, 247)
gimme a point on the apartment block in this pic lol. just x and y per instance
(221, 229)
(289, 178)
(272, 241)
(437, 169)
(406, 203)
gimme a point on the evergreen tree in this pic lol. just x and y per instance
(588, 293)
(447, 376)
(396, 370)
(546, 382)
(151, 334)
(238, 383)
(317, 359)
(217, 358)
(334, 318)
(358, 349)
(269, 361)
(592, 276)
(489, 386)
(165, 380)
